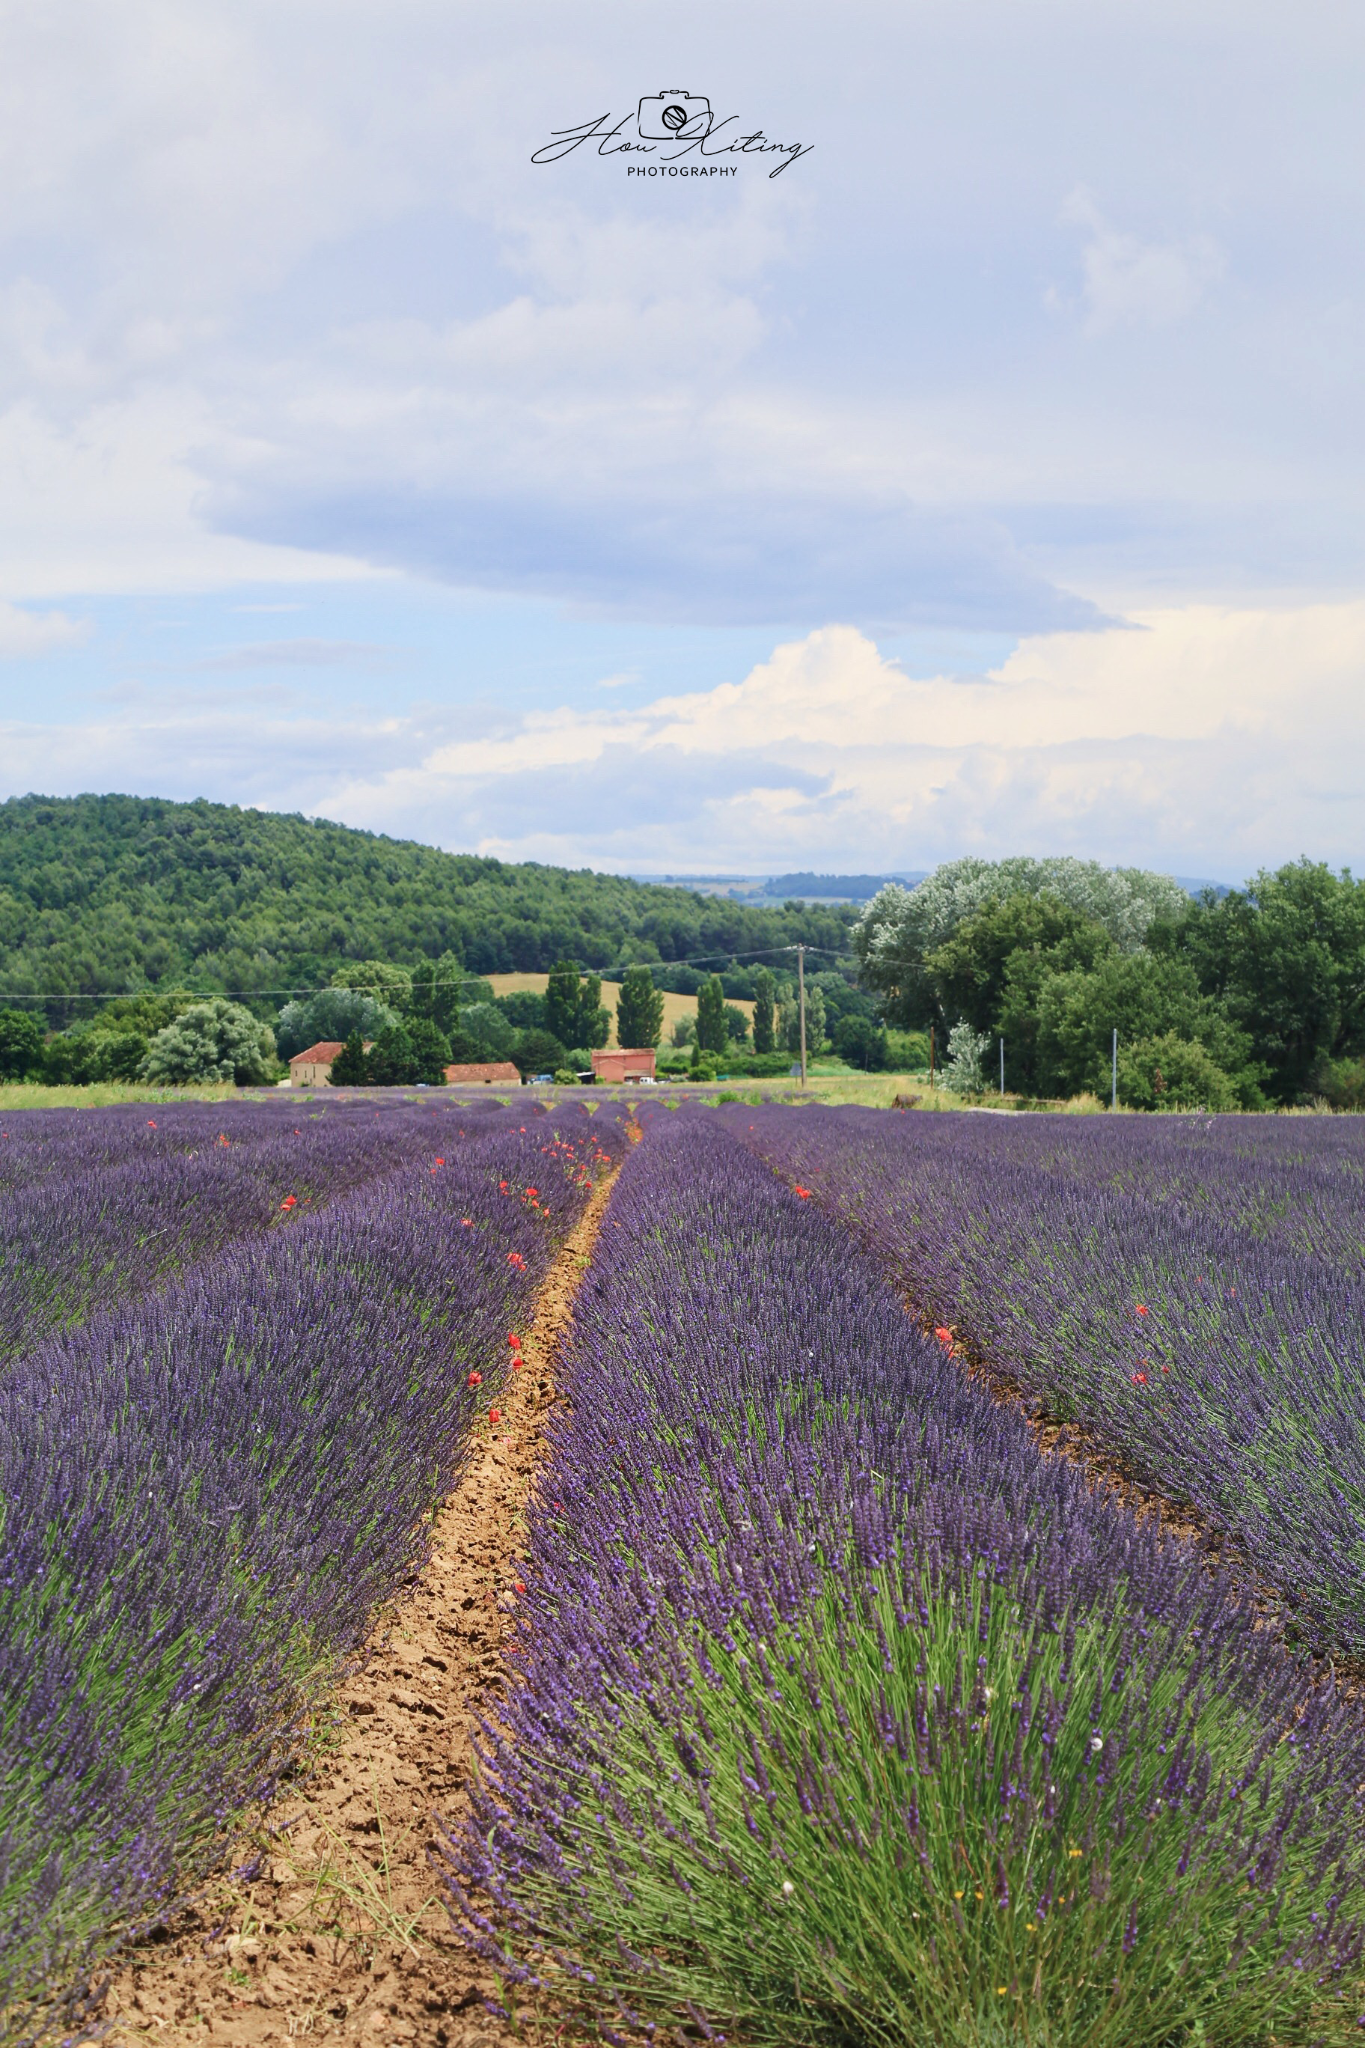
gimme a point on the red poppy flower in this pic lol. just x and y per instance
(467, 1222)
(289, 1202)
(516, 1362)
(1140, 1309)
(151, 1123)
(495, 1415)
(944, 1336)
(1139, 1379)
(520, 1586)
(503, 1185)
(514, 1340)
(440, 1161)
(803, 1192)
(515, 1259)
(475, 1380)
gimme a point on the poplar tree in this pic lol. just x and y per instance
(640, 1010)
(711, 1033)
(764, 991)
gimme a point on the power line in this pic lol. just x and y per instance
(330, 988)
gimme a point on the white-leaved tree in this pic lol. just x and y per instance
(900, 926)
(212, 1041)
(964, 1071)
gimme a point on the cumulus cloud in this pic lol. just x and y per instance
(1200, 739)
(1131, 283)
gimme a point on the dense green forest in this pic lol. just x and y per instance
(106, 894)
(1238, 1001)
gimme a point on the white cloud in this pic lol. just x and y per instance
(24, 633)
(1130, 283)
(1202, 737)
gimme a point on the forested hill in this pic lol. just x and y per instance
(97, 892)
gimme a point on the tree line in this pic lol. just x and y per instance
(109, 895)
(1251, 998)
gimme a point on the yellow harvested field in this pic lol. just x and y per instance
(674, 1006)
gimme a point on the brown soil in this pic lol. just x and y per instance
(342, 1936)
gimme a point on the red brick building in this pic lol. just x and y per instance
(490, 1072)
(624, 1063)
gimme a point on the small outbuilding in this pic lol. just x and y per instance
(492, 1073)
(313, 1068)
(624, 1063)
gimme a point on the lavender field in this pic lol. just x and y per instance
(242, 1359)
(847, 1715)
(1190, 1292)
(838, 1713)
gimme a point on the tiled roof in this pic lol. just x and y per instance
(488, 1070)
(320, 1055)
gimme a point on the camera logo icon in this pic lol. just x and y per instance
(674, 117)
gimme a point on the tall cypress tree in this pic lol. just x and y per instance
(765, 989)
(562, 1002)
(640, 1011)
(711, 1036)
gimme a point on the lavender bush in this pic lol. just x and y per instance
(848, 1718)
(96, 1208)
(1190, 1291)
(206, 1492)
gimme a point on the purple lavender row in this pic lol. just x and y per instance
(846, 1716)
(1226, 1369)
(204, 1496)
(91, 1216)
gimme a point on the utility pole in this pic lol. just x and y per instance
(1114, 1073)
(801, 986)
(1002, 1066)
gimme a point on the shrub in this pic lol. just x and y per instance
(21, 1045)
(538, 1052)
(213, 1041)
(962, 1071)
(1172, 1073)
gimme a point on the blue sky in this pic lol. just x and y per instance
(987, 480)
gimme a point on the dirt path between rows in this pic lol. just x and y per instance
(342, 1935)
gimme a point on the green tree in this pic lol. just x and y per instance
(764, 990)
(790, 1017)
(900, 927)
(862, 1043)
(594, 1018)
(487, 1027)
(213, 1041)
(392, 1060)
(970, 972)
(21, 1045)
(350, 1068)
(1145, 996)
(331, 1014)
(711, 1015)
(963, 1071)
(436, 992)
(1172, 1073)
(1285, 959)
(378, 978)
(736, 1025)
(639, 1009)
(539, 1052)
(562, 1002)
(430, 1051)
